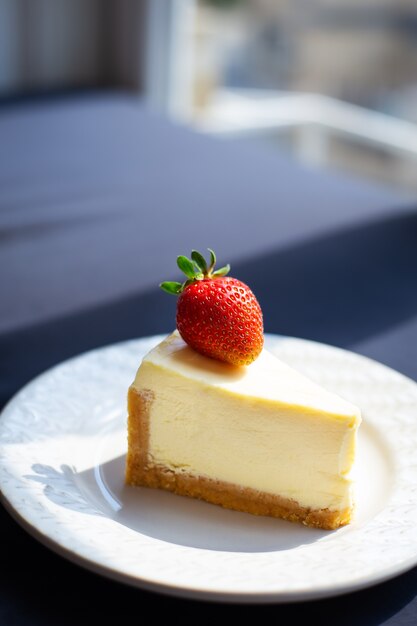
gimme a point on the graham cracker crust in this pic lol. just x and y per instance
(141, 471)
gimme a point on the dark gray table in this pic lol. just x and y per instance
(97, 197)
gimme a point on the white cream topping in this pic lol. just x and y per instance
(263, 426)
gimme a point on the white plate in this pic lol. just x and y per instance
(63, 443)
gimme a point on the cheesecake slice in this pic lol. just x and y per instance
(262, 438)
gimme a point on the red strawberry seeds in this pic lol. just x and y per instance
(217, 316)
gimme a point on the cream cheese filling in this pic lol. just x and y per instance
(231, 431)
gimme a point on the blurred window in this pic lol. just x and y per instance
(363, 52)
(250, 67)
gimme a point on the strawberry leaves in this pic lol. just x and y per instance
(221, 272)
(199, 261)
(186, 266)
(195, 269)
(171, 287)
(212, 260)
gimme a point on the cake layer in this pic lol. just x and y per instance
(141, 471)
(208, 421)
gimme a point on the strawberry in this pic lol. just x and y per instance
(217, 315)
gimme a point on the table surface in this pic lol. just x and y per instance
(97, 197)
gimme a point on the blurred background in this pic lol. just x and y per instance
(332, 82)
